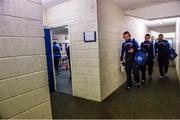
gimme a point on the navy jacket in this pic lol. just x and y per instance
(148, 48)
(127, 45)
(56, 50)
(162, 49)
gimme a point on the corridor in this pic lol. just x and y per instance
(157, 99)
(62, 59)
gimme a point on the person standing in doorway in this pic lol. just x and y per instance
(162, 48)
(129, 49)
(147, 47)
(57, 55)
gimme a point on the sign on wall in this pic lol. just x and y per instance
(90, 36)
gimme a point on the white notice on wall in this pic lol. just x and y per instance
(89, 36)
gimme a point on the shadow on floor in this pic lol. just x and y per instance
(158, 99)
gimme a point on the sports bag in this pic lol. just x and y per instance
(140, 58)
(172, 54)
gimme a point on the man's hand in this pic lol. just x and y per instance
(123, 63)
(131, 50)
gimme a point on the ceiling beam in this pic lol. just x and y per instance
(164, 29)
(166, 10)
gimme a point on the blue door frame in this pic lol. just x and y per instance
(47, 34)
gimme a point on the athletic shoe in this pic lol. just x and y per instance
(150, 78)
(138, 85)
(162, 77)
(128, 88)
(143, 81)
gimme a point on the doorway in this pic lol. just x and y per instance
(62, 62)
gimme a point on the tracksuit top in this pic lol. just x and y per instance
(162, 49)
(148, 48)
(127, 45)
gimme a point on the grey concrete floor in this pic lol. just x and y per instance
(158, 99)
(63, 82)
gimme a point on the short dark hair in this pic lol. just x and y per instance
(127, 32)
(161, 35)
(54, 43)
(148, 35)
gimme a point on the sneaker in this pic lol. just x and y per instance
(150, 78)
(143, 81)
(165, 75)
(162, 77)
(128, 88)
(138, 85)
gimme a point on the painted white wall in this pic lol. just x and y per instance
(24, 91)
(111, 24)
(44, 17)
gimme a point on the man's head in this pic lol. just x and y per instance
(152, 38)
(147, 37)
(54, 43)
(161, 37)
(126, 35)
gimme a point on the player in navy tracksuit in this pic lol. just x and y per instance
(57, 55)
(129, 49)
(148, 48)
(162, 51)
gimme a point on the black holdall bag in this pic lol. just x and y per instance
(172, 54)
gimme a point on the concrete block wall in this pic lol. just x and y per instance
(177, 43)
(111, 25)
(81, 16)
(24, 91)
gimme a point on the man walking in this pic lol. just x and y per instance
(162, 48)
(129, 49)
(148, 49)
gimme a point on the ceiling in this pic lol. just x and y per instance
(160, 22)
(126, 5)
(164, 29)
(139, 8)
(123, 4)
(161, 25)
(50, 3)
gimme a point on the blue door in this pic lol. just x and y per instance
(47, 35)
